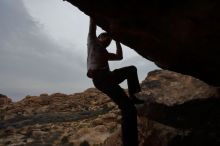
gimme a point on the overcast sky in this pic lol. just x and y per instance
(43, 49)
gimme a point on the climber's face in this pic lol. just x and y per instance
(105, 39)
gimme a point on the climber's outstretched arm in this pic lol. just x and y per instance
(119, 53)
(92, 29)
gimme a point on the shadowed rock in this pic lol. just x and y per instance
(195, 114)
(178, 35)
(179, 101)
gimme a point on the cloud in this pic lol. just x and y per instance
(31, 62)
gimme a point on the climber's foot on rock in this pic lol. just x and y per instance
(135, 100)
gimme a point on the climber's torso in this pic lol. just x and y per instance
(97, 55)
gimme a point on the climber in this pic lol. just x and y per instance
(108, 81)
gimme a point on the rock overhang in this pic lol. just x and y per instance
(181, 36)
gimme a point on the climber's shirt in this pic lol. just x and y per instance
(97, 54)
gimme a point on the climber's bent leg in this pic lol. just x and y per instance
(128, 110)
(129, 73)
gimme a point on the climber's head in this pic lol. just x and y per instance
(105, 39)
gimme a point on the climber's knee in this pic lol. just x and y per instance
(133, 68)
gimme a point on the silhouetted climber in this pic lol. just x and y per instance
(108, 81)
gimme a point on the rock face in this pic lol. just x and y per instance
(179, 110)
(178, 35)
(4, 100)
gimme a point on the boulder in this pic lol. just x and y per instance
(4, 100)
(178, 35)
(179, 110)
(44, 95)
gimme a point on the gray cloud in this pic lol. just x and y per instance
(30, 61)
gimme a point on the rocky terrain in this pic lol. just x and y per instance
(58, 120)
(179, 110)
(178, 35)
